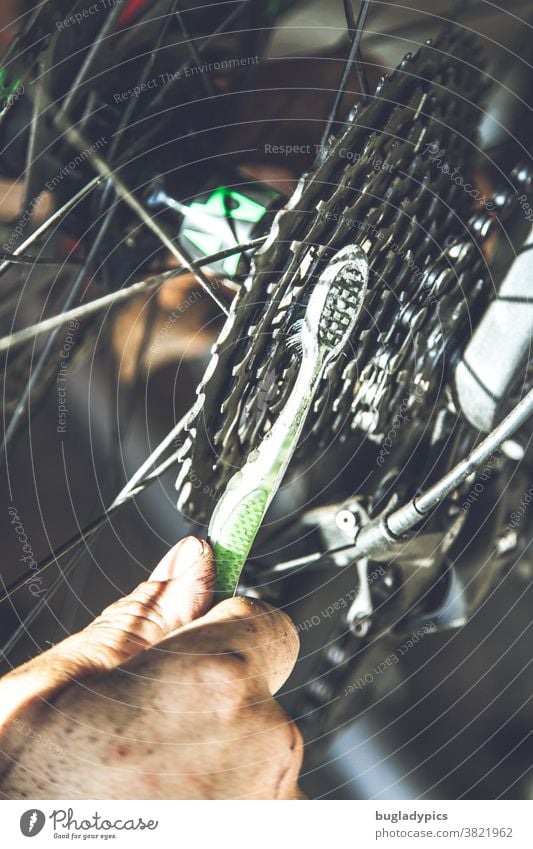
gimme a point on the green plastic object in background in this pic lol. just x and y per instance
(9, 92)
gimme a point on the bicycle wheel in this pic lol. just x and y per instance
(129, 137)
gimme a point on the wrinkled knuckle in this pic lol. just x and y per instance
(227, 678)
(140, 608)
(138, 617)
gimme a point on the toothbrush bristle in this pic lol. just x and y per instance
(346, 277)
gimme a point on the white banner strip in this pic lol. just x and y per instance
(267, 825)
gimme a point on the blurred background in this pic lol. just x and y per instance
(453, 717)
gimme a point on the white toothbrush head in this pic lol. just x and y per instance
(336, 302)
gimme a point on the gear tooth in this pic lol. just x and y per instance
(391, 356)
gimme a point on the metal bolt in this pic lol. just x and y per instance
(348, 522)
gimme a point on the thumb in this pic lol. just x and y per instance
(179, 589)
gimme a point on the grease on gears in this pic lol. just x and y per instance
(422, 236)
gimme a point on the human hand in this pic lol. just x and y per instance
(159, 697)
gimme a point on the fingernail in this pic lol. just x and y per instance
(178, 560)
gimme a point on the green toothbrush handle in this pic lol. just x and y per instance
(235, 538)
(241, 509)
(328, 322)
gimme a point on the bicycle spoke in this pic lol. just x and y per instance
(123, 192)
(30, 189)
(10, 53)
(92, 55)
(350, 20)
(89, 530)
(19, 337)
(372, 538)
(52, 219)
(127, 196)
(25, 259)
(127, 146)
(193, 50)
(144, 470)
(227, 22)
(86, 533)
(41, 362)
(147, 68)
(22, 628)
(356, 29)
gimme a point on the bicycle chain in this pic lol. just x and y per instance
(405, 211)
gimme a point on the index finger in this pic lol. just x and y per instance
(263, 635)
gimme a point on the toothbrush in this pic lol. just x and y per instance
(330, 317)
